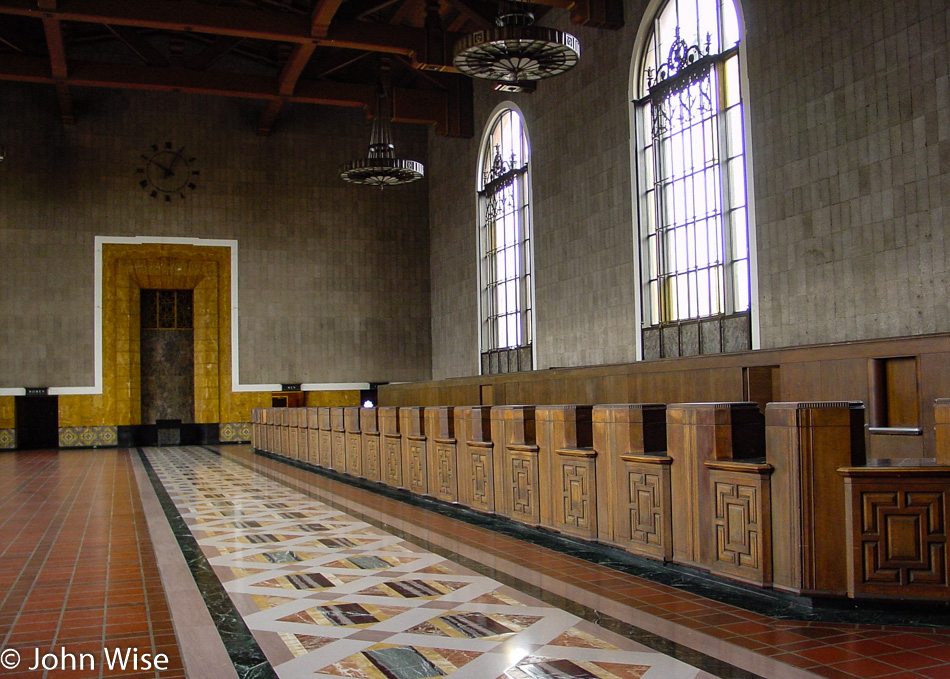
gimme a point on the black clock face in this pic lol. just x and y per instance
(167, 172)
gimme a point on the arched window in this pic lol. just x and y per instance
(694, 217)
(504, 236)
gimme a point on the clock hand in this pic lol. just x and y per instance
(175, 160)
(168, 172)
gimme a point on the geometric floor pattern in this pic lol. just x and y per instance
(328, 596)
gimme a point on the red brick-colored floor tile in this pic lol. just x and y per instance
(833, 672)
(865, 667)
(80, 552)
(827, 655)
(909, 660)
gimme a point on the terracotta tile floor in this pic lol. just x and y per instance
(77, 571)
(740, 637)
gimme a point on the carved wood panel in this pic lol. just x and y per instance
(645, 505)
(339, 451)
(371, 457)
(292, 449)
(741, 525)
(313, 446)
(577, 501)
(326, 456)
(737, 525)
(523, 486)
(904, 539)
(446, 488)
(417, 466)
(303, 439)
(480, 459)
(354, 461)
(392, 463)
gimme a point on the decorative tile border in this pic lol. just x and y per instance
(7, 439)
(234, 432)
(88, 437)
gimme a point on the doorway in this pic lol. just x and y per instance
(37, 422)
(167, 356)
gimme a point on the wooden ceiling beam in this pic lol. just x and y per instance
(445, 110)
(213, 52)
(322, 15)
(141, 47)
(290, 73)
(189, 16)
(286, 84)
(57, 58)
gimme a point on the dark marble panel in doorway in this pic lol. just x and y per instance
(168, 383)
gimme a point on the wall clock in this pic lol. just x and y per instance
(167, 172)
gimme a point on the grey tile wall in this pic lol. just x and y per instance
(849, 115)
(334, 278)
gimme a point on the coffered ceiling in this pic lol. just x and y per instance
(274, 51)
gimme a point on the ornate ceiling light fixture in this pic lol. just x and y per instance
(516, 51)
(381, 167)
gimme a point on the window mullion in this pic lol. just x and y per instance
(725, 209)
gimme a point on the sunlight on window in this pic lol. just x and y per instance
(692, 168)
(504, 238)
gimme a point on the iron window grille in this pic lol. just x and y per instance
(692, 168)
(505, 245)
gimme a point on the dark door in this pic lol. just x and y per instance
(37, 422)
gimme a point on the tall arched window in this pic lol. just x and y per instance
(504, 235)
(695, 254)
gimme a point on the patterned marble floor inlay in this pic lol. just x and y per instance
(327, 595)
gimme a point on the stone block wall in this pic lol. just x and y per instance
(848, 113)
(318, 259)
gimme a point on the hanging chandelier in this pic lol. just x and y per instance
(516, 51)
(381, 167)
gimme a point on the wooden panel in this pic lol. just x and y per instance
(902, 399)
(521, 489)
(517, 471)
(941, 415)
(370, 450)
(303, 443)
(618, 430)
(561, 427)
(354, 454)
(313, 446)
(643, 512)
(292, 449)
(338, 454)
(575, 505)
(475, 457)
(369, 443)
(444, 463)
(390, 466)
(897, 532)
(833, 372)
(480, 487)
(697, 432)
(414, 468)
(806, 444)
(442, 453)
(742, 521)
(326, 449)
(392, 461)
